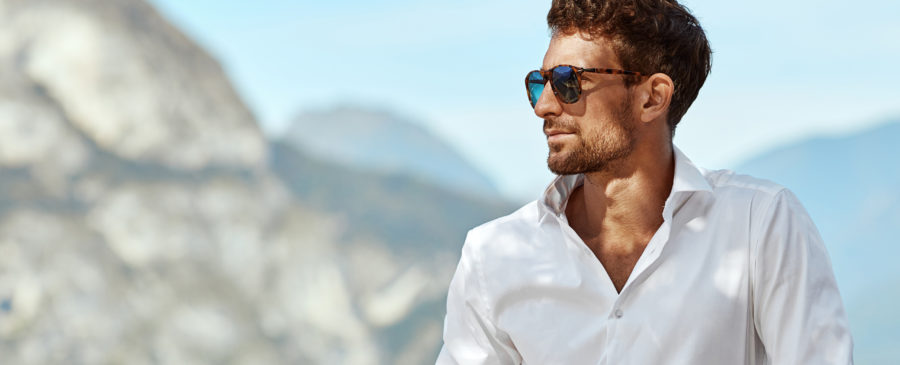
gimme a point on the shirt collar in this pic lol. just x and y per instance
(688, 178)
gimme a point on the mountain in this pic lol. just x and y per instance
(851, 187)
(416, 216)
(145, 219)
(385, 142)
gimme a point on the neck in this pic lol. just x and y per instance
(625, 200)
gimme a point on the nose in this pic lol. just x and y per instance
(547, 105)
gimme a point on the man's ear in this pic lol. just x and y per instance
(655, 95)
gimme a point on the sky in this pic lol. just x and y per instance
(782, 71)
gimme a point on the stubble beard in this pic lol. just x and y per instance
(595, 151)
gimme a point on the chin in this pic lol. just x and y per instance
(560, 163)
(577, 162)
(556, 147)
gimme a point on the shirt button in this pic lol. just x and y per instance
(619, 313)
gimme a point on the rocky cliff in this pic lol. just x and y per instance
(143, 218)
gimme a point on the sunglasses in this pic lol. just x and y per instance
(565, 80)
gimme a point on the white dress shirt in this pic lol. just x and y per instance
(736, 274)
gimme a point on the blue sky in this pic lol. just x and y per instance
(781, 70)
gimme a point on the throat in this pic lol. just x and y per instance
(617, 241)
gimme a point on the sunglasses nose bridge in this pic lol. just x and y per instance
(547, 76)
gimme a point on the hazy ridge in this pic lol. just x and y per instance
(382, 141)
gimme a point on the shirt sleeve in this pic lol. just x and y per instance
(798, 312)
(469, 335)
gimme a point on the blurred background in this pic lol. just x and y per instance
(200, 181)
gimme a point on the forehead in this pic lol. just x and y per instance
(579, 50)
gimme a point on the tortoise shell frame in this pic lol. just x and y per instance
(573, 91)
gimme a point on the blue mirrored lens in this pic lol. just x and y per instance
(565, 83)
(535, 85)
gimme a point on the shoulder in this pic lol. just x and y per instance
(778, 221)
(507, 230)
(521, 221)
(762, 200)
(744, 191)
(512, 251)
(527, 237)
(725, 181)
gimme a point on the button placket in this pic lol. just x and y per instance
(618, 310)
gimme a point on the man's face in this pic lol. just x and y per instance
(587, 135)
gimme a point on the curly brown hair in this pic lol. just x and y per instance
(649, 36)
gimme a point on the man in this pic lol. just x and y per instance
(634, 255)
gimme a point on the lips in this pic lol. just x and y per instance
(556, 132)
(557, 136)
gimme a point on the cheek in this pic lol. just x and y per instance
(606, 118)
(593, 136)
(603, 133)
(604, 102)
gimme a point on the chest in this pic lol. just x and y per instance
(619, 261)
(695, 293)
